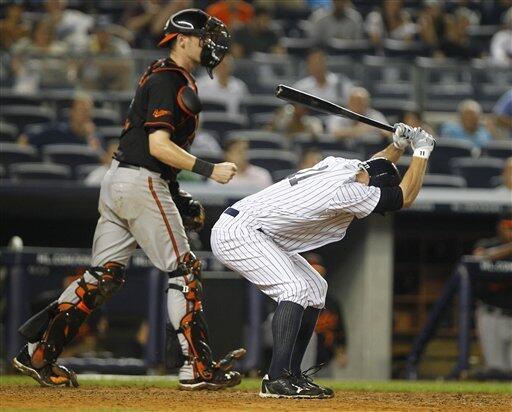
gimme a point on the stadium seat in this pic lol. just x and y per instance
(296, 46)
(354, 48)
(8, 132)
(278, 175)
(24, 115)
(447, 149)
(82, 171)
(101, 117)
(439, 180)
(370, 145)
(260, 104)
(498, 148)
(211, 105)
(39, 171)
(70, 154)
(208, 156)
(403, 49)
(110, 132)
(324, 142)
(222, 122)
(14, 153)
(3, 173)
(12, 98)
(273, 160)
(258, 139)
(478, 172)
(260, 120)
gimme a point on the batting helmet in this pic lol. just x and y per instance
(213, 33)
(383, 173)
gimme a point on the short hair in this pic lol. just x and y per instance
(229, 143)
(469, 104)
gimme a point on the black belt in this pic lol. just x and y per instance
(233, 212)
(135, 167)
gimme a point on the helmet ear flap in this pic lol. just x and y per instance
(383, 173)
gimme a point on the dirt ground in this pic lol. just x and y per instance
(156, 399)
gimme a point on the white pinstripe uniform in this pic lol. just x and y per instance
(310, 209)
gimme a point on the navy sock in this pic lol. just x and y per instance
(307, 327)
(285, 327)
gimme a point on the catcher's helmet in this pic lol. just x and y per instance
(383, 173)
(214, 35)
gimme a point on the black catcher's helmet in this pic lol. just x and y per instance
(214, 35)
(383, 173)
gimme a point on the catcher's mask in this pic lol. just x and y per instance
(383, 173)
(213, 35)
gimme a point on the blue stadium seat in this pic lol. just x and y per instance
(258, 139)
(260, 120)
(403, 164)
(354, 48)
(447, 149)
(403, 49)
(24, 115)
(222, 122)
(101, 117)
(324, 142)
(260, 104)
(70, 154)
(498, 148)
(39, 171)
(211, 105)
(479, 173)
(370, 145)
(208, 156)
(14, 153)
(296, 46)
(8, 132)
(439, 180)
(82, 171)
(12, 98)
(273, 160)
(344, 154)
(110, 132)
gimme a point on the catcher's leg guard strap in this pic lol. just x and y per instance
(64, 318)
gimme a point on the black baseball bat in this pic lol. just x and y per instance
(296, 96)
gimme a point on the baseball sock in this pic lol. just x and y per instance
(285, 326)
(307, 327)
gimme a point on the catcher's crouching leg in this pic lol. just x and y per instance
(55, 326)
(188, 340)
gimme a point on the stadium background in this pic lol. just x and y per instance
(45, 68)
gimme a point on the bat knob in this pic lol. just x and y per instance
(279, 90)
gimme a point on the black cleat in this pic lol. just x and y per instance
(49, 376)
(220, 380)
(287, 386)
(306, 380)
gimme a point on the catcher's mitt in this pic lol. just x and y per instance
(191, 211)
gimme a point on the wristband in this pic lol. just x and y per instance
(203, 168)
(422, 152)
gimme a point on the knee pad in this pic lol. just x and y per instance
(57, 325)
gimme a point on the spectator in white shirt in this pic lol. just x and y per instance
(344, 128)
(501, 42)
(95, 177)
(247, 175)
(321, 82)
(223, 87)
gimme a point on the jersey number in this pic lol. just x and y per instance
(304, 174)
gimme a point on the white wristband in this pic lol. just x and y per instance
(422, 152)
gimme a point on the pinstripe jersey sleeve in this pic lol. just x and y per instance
(356, 198)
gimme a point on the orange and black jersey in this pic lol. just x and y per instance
(158, 105)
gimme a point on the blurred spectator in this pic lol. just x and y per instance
(414, 118)
(321, 82)
(223, 87)
(494, 306)
(138, 17)
(247, 175)
(340, 22)
(79, 128)
(256, 36)
(501, 42)
(469, 127)
(330, 328)
(431, 24)
(506, 178)
(95, 177)
(391, 21)
(457, 42)
(344, 128)
(12, 27)
(501, 126)
(35, 59)
(232, 12)
(71, 26)
(293, 119)
(309, 158)
(109, 68)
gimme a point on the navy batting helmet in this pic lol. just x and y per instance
(383, 173)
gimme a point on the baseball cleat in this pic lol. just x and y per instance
(48, 376)
(288, 386)
(305, 379)
(220, 380)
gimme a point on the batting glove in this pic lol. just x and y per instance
(422, 143)
(402, 135)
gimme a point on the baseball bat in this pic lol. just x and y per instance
(297, 96)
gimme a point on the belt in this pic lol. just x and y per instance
(233, 212)
(135, 167)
